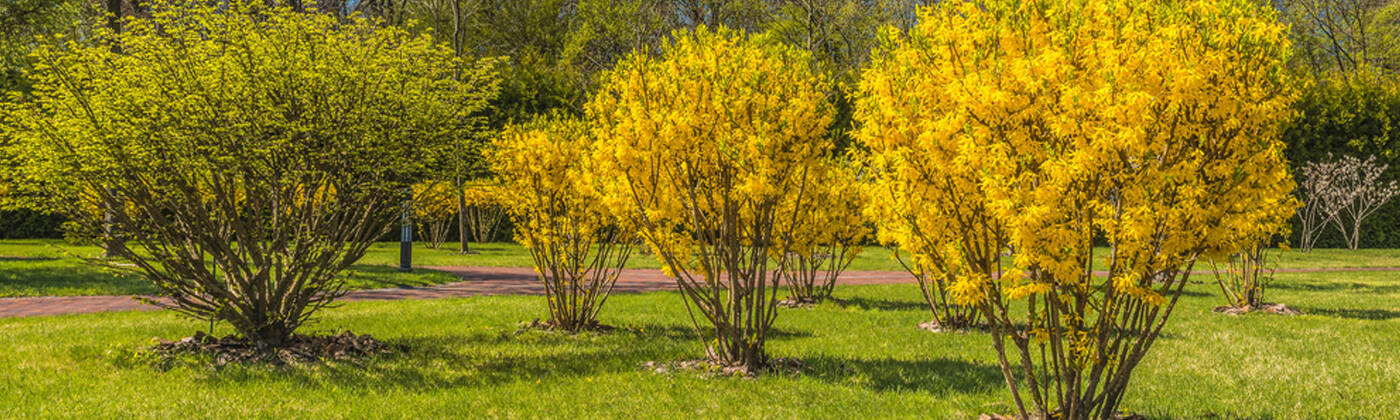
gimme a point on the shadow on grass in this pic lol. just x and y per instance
(687, 333)
(1192, 293)
(1364, 314)
(460, 361)
(937, 376)
(1338, 286)
(48, 277)
(879, 304)
(383, 277)
(4, 258)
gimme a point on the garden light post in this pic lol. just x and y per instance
(406, 235)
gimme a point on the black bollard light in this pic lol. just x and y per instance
(406, 236)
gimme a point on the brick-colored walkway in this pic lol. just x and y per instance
(476, 281)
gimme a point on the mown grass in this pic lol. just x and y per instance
(873, 258)
(865, 359)
(53, 268)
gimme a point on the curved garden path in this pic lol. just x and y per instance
(476, 281)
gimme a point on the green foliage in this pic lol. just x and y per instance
(27, 223)
(1343, 35)
(250, 153)
(1354, 114)
(22, 22)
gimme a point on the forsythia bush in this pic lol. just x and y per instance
(1037, 126)
(829, 233)
(484, 208)
(434, 205)
(578, 247)
(704, 144)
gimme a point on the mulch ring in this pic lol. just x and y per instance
(806, 302)
(707, 367)
(1116, 416)
(593, 326)
(345, 346)
(935, 326)
(1268, 308)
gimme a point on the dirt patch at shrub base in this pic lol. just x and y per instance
(1116, 416)
(935, 326)
(807, 302)
(779, 365)
(537, 325)
(1268, 308)
(299, 349)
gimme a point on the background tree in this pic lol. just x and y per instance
(605, 31)
(578, 247)
(1349, 114)
(23, 25)
(24, 22)
(252, 153)
(1344, 35)
(1046, 125)
(704, 144)
(1349, 51)
(1317, 211)
(1353, 192)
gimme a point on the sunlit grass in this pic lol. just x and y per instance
(865, 359)
(53, 268)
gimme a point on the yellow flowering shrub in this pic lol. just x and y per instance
(829, 232)
(704, 143)
(1037, 126)
(578, 248)
(434, 205)
(484, 209)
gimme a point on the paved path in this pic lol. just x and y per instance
(476, 281)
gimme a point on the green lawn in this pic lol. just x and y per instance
(53, 268)
(50, 267)
(504, 254)
(866, 359)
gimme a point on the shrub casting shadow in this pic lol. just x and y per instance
(449, 362)
(459, 360)
(936, 376)
(686, 333)
(377, 277)
(1338, 286)
(880, 304)
(1365, 314)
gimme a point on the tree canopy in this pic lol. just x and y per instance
(251, 153)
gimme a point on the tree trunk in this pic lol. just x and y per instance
(1355, 241)
(462, 218)
(269, 337)
(113, 245)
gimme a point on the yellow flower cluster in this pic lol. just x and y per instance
(434, 201)
(719, 126)
(1039, 127)
(830, 210)
(542, 167)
